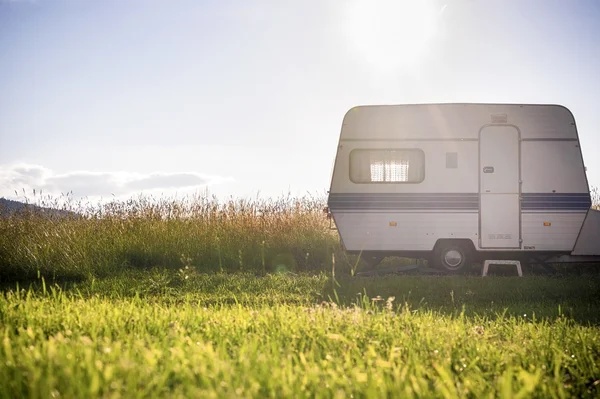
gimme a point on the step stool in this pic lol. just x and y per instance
(487, 264)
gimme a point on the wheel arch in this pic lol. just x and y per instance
(466, 243)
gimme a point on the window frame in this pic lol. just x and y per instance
(385, 149)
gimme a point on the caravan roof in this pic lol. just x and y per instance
(452, 121)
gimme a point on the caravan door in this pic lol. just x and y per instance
(499, 187)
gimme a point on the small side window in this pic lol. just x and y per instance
(387, 166)
(452, 160)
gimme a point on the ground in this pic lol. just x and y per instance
(158, 333)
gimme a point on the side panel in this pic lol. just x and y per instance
(444, 205)
(408, 231)
(588, 242)
(543, 231)
(500, 223)
(555, 196)
(552, 167)
(438, 178)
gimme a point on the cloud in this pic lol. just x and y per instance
(27, 177)
(168, 181)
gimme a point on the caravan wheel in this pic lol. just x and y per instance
(451, 257)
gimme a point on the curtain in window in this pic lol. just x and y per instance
(371, 166)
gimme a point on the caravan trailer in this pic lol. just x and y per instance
(458, 183)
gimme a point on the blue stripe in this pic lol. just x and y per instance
(555, 201)
(452, 201)
(403, 201)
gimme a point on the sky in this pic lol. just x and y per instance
(245, 98)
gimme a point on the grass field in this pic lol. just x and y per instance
(201, 299)
(258, 236)
(156, 334)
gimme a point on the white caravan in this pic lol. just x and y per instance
(454, 183)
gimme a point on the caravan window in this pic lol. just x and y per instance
(387, 166)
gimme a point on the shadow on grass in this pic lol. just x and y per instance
(573, 294)
(9, 281)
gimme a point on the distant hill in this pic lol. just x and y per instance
(10, 207)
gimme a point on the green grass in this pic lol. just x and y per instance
(158, 333)
(196, 298)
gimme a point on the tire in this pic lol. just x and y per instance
(451, 257)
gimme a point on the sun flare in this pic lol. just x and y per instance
(391, 34)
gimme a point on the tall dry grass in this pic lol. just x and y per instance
(87, 239)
